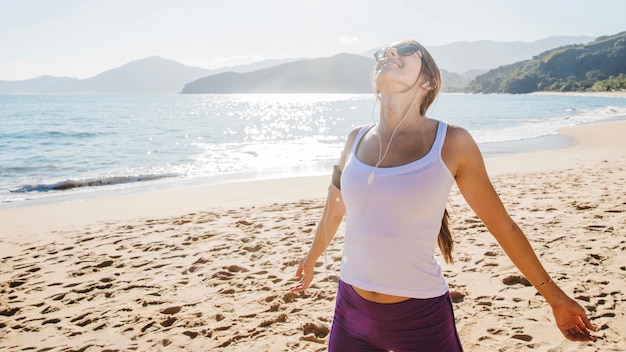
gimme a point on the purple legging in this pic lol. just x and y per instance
(412, 325)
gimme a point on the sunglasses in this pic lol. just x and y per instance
(402, 50)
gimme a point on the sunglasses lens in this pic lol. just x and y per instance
(380, 54)
(406, 50)
(402, 50)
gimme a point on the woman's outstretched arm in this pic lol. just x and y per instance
(334, 211)
(467, 165)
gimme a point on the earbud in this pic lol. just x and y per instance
(426, 84)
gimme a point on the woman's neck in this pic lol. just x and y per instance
(401, 113)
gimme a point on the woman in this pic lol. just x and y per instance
(392, 183)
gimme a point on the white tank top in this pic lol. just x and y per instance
(392, 224)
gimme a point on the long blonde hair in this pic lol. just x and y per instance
(432, 75)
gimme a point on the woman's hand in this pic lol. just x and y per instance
(572, 320)
(305, 273)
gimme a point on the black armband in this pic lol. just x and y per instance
(337, 177)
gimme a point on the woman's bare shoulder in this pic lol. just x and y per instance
(349, 142)
(459, 149)
(352, 135)
(459, 136)
(457, 131)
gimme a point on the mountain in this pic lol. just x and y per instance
(343, 73)
(255, 66)
(43, 84)
(567, 68)
(461, 57)
(150, 75)
(470, 58)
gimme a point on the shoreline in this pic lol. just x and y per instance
(490, 150)
(209, 267)
(618, 94)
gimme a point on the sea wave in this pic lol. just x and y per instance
(513, 129)
(105, 181)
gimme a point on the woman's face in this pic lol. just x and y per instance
(398, 67)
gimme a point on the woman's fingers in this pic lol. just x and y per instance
(304, 281)
(587, 322)
(578, 331)
(300, 286)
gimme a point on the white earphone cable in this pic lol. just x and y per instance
(381, 157)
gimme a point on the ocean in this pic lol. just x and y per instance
(55, 146)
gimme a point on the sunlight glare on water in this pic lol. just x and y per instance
(52, 142)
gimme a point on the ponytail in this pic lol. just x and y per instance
(445, 239)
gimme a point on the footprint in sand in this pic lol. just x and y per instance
(315, 332)
(522, 337)
(457, 296)
(515, 279)
(281, 318)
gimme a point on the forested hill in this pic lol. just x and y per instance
(597, 66)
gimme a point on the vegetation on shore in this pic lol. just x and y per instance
(597, 66)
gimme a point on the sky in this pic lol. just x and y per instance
(82, 38)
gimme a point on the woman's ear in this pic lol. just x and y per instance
(428, 85)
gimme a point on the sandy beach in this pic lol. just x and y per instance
(209, 268)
